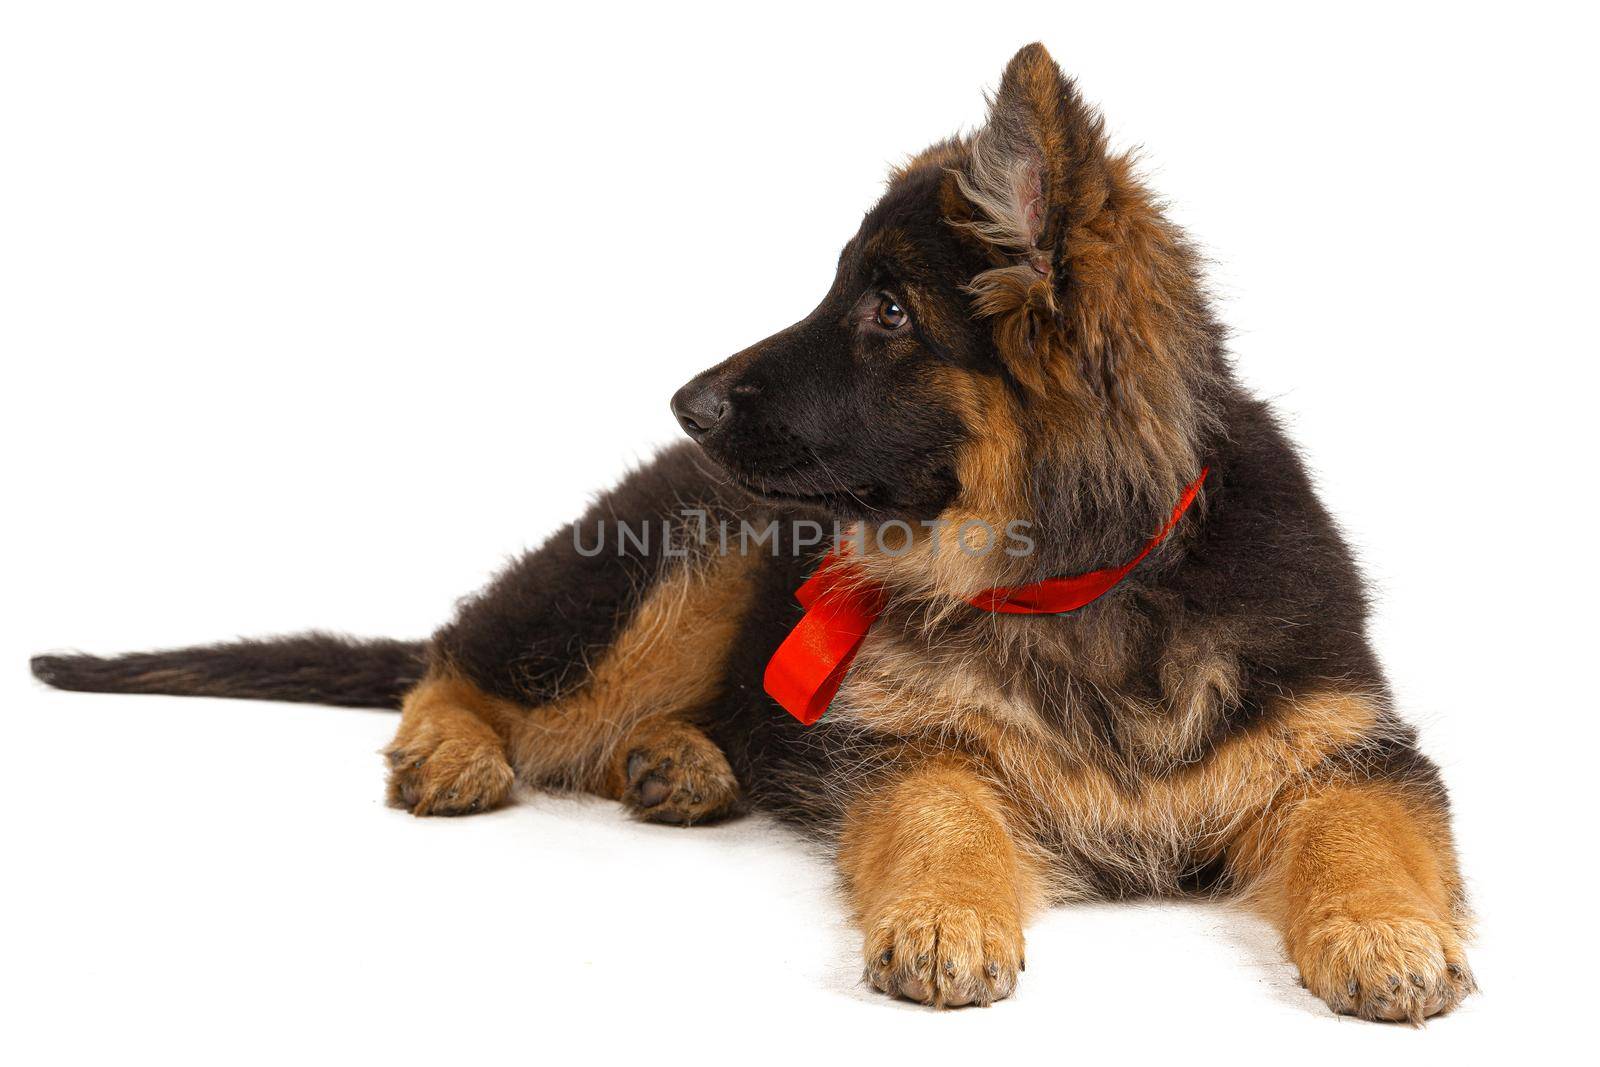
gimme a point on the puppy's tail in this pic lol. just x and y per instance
(313, 668)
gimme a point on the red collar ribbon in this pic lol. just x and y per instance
(805, 673)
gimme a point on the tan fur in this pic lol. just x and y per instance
(669, 769)
(999, 764)
(1110, 368)
(974, 765)
(1111, 352)
(1147, 831)
(1361, 880)
(1114, 363)
(1199, 685)
(668, 660)
(991, 467)
(449, 756)
(934, 878)
(1360, 876)
(457, 746)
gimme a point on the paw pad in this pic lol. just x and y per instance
(684, 781)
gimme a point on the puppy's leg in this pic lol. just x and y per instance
(589, 656)
(448, 758)
(940, 887)
(626, 730)
(667, 770)
(1361, 880)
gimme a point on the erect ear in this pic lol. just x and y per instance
(1037, 169)
(1038, 164)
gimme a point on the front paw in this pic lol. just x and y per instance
(943, 954)
(1392, 969)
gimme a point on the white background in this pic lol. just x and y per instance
(313, 313)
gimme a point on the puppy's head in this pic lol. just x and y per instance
(846, 408)
(1014, 326)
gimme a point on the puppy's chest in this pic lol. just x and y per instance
(1043, 682)
(1112, 827)
(1025, 725)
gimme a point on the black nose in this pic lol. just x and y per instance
(700, 407)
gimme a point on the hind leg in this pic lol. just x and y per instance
(627, 730)
(447, 758)
(667, 770)
(590, 656)
(450, 757)
(624, 730)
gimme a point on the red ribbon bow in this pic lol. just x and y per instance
(805, 673)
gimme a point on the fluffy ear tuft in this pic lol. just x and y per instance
(1039, 164)
(1035, 170)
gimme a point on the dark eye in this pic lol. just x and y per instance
(890, 315)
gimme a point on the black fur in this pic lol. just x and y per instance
(836, 418)
(313, 668)
(552, 612)
(1013, 333)
(830, 411)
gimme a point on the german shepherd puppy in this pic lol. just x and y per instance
(1016, 340)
